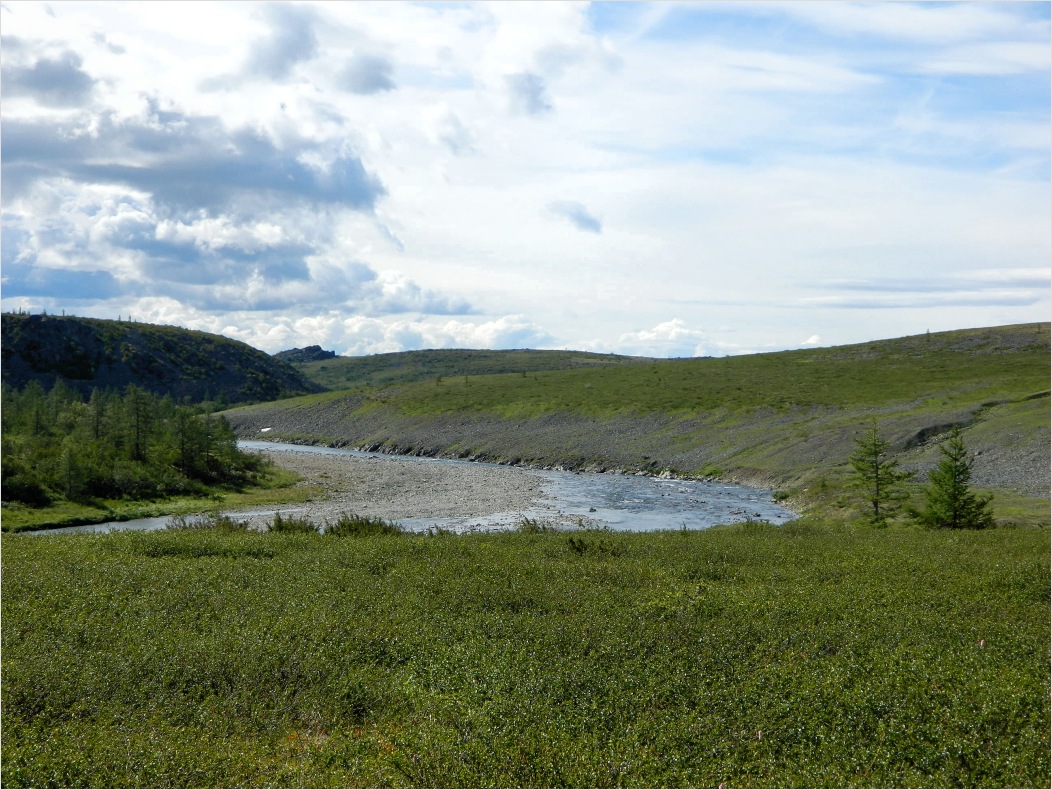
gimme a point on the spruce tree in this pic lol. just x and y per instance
(951, 504)
(878, 477)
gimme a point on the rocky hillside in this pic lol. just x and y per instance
(88, 353)
(775, 419)
(381, 370)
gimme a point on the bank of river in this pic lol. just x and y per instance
(462, 496)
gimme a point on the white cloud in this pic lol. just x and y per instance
(992, 58)
(668, 339)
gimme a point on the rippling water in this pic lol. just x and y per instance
(621, 502)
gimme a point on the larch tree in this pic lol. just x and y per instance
(950, 501)
(878, 477)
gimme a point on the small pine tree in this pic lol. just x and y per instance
(951, 504)
(878, 477)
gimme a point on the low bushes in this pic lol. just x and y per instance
(811, 655)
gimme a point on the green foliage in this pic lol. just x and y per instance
(949, 501)
(88, 353)
(816, 655)
(137, 447)
(532, 526)
(353, 525)
(968, 364)
(292, 524)
(214, 521)
(878, 477)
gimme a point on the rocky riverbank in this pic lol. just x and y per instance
(393, 488)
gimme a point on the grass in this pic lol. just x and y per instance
(383, 370)
(961, 367)
(815, 654)
(280, 486)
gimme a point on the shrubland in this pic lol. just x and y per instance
(821, 654)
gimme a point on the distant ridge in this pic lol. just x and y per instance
(402, 367)
(88, 353)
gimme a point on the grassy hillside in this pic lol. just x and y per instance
(807, 655)
(782, 419)
(88, 353)
(381, 370)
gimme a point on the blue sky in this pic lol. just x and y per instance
(667, 179)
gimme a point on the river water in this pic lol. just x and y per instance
(615, 501)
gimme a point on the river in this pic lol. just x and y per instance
(615, 501)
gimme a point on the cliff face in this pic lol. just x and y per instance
(88, 353)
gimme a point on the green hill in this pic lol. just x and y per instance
(381, 370)
(88, 353)
(780, 419)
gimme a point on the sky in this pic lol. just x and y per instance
(660, 179)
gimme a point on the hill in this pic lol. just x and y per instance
(782, 419)
(381, 370)
(88, 353)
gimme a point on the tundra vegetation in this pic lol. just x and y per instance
(819, 653)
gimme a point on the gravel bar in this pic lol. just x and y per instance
(397, 488)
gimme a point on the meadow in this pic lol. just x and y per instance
(963, 368)
(819, 654)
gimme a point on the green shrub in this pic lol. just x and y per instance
(214, 521)
(532, 526)
(353, 525)
(292, 524)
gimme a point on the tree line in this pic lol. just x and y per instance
(131, 445)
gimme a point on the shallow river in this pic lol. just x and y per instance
(620, 502)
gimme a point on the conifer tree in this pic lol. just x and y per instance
(951, 504)
(878, 477)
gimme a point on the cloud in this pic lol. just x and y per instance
(922, 22)
(348, 335)
(102, 40)
(669, 339)
(577, 214)
(443, 126)
(367, 74)
(393, 292)
(21, 280)
(187, 163)
(991, 59)
(527, 94)
(981, 287)
(291, 40)
(119, 245)
(57, 81)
